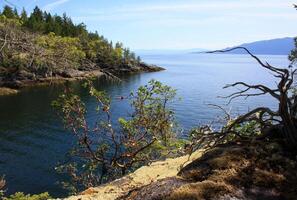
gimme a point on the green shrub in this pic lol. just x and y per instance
(22, 196)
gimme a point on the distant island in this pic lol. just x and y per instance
(167, 51)
(280, 46)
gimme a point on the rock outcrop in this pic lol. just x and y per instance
(143, 176)
(234, 171)
(23, 78)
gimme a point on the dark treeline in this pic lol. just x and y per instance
(45, 23)
(42, 44)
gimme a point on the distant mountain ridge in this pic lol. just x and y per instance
(167, 51)
(280, 46)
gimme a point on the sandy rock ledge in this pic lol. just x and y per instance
(141, 177)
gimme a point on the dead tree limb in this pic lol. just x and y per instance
(284, 117)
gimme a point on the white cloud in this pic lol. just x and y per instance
(284, 16)
(54, 4)
(145, 12)
(193, 23)
(194, 7)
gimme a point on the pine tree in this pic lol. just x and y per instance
(49, 23)
(138, 59)
(24, 16)
(15, 12)
(58, 22)
(36, 21)
(37, 14)
(8, 12)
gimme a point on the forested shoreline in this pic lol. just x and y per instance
(39, 46)
(144, 153)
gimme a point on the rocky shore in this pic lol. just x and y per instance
(22, 78)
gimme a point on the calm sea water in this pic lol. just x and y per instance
(32, 138)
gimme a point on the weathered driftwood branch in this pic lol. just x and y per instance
(285, 118)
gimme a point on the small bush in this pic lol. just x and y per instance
(22, 196)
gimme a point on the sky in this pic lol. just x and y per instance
(178, 24)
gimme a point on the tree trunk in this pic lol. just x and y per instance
(289, 125)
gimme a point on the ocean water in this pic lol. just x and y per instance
(33, 140)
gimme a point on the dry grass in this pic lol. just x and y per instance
(201, 190)
(237, 171)
(258, 170)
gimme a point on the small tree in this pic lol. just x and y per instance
(104, 152)
(8, 12)
(24, 16)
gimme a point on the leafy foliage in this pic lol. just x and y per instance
(293, 55)
(38, 54)
(22, 196)
(44, 45)
(104, 152)
(59, 51)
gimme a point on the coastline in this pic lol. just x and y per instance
(11, 88)
(14, 87)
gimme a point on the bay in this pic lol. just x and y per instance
(33, 140)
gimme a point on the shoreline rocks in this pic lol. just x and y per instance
(24, 79)
(72, 75)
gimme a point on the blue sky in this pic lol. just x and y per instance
(178, 24)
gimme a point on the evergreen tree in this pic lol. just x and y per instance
(15, 12)
(94, 36)
(100, 51)
(8, 12)
(49, 23)
(35, 21)
(119, 45)
(110, 45)
(58, 25)
(138, 59)
(24, 16)
(37, 14)
(132, 56)
(81, 30)
(126, 54)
